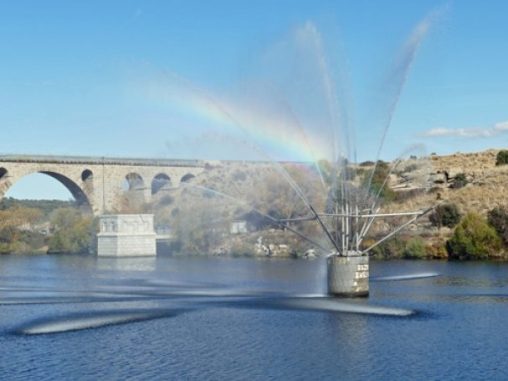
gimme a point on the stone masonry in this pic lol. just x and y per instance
(97, 183)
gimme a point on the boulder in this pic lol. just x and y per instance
(438, 178)
(451, 173)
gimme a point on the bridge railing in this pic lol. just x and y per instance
(101, 160)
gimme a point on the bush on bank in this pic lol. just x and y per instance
(16, 234)
(415, 248)
(73, 232)
(400, 247)
(474, 238)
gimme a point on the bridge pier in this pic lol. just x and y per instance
(126, 235)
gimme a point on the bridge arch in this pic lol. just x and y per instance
(161, 181)
(186, 178)
(133, 181)
(79, 194)
(87, 181)
(87, 175)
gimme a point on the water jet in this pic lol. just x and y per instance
(318, 126)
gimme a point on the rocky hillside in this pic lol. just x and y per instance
(470, 180)
(202, 220)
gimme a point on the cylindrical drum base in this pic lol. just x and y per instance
(348, 276)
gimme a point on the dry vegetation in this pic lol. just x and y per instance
(201, 219)
(486, 183)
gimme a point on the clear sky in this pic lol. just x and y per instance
(154, 78)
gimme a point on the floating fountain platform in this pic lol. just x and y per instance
(348, 269)
(348, 275)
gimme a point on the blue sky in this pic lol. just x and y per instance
(88, 78)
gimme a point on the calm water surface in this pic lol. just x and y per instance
(216, 319)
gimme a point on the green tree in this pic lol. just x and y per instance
(473, 238)
(15, 223)
(502, 157)
(19, 216)
(73, 232)
(379, 182)
(200, 227)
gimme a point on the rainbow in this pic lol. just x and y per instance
(272, 133)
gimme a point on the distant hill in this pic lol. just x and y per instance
(46, 206)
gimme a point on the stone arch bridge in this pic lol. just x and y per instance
(99, 183)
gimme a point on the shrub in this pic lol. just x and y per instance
(473, 238)
(415, 249)
(459, 181)
(437, 250)
(399, 247)
(445, 215)
(498, 219)
(391, 248)
(502, 157)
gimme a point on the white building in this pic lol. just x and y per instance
(238, 227)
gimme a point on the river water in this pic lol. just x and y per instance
(71, 317)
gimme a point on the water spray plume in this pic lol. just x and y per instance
(277, 165)
(399, 73)
(311, 112)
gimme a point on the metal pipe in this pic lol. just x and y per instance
(366, 226)
(298, 219)
(327, 232)
(357, 242)
(371, 215)
(347, 227)
(396, 231)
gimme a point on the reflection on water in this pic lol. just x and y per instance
(126, 264)
(220, 318)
